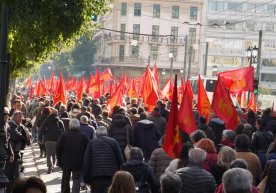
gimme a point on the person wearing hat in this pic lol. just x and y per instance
(107, 159)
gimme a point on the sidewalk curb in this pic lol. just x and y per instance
(35, 161)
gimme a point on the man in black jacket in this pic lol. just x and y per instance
(70, 150)
(194, 178)
(51, 129)
(102, 159)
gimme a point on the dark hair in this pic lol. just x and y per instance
(260, 121)
(64, 115)
(238, 163)
(242, 142)
(105, 114)
(239, 129)
(141, 110)
(133, 110)
(197, 135)
(23, 184)
(184, 154)
(143, 116)
(69, 106)
(170, 183)
(202, 120)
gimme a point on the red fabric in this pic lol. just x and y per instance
(131, 91)
(239, 80)
(186, 118)
(149, 91)
(80, 88)
(182, 86)
(167, 91)
(203, 103)
(189, 89)
(59, 94)
(223, 106)
(94, 90)
(29, 82)
(106, 75)
(116, 98)
(228, 143)
(41, 89)
(51, 85)
(172, 141)
(155, 74)
(88, 83)
(211, 160)
(252, 103)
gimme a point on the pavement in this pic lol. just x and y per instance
(36, 166)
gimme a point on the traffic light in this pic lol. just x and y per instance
(256, 86)
(94, 18)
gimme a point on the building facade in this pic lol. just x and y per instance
(155, 33)
(232, 26)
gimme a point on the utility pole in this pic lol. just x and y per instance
(149, 61)
(185, 57)
(206, 59)
(258, 74)
(190, 61)
(171, 67)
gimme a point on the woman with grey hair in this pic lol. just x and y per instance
(143, 174)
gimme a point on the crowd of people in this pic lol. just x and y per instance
(120, 151)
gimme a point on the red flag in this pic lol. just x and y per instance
(106, 75)
(72, 85)
(239, 80)
(252, 103)
(59, 94)
(131, 91)
(88, 83)
(167, 91)
(172, 140)
(223, 106)
(31, 92)
(149, 90)
(155, 74)
(189, 89)
(40, 89)
(182, 86)
(186, 118)
(110, 88)
(80, 88)
(94, 90)
(29, 82)
(203, 103)
(116, 98)
(51, 86)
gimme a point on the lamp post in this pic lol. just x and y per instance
(214, 70)
(171, 58)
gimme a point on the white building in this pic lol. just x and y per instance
(233, 26)
(162, 26)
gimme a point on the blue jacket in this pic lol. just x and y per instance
(88, 130)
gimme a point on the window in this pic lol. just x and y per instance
(123, 8)
(175, 11)
(260, 8)
(136, 29)
(235, 6)
(216, 6)
(174, 33)
(251, 7)
(154, 52)
(155, 31)
(137, 9)
(192, 35)
(122, 53)
(135, 51)
(192, 54)
(269, 27)
(156, 11)
(174, 52)
(123, 29)
(193, 13)
(271, 9)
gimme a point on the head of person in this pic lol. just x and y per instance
(197, 156)
(133, 101)
(237, 180)
(62, 108)
(242, 143)
(197, 135)
(238, 163)
(143, 116)
(207, 145)
(226, 156)
(239, 129)
(31, 184)
(83, 109)
(133, 111)
(46, 111)
(76, 106)
(185, 150)
(105, 114)
(122, 182)
(17, 117)
(74, 124)
(64, 115)
(136, 153)
(170, 183)
(228, 135)
(202, 120)
(156, 110)
(54, 112)
(17, 105)
(6, 114)
(101, 131)
(84, 120)
(260, 124)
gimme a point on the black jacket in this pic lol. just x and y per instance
(141, 171)
(70, 149)
(102, 158)
(207, 130)
(261, 141)
(196, 180)
(51, 128)
(146, 137)
(272, 176)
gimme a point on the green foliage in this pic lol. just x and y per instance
(38, 28)
(264, 90)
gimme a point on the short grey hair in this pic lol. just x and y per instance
(226, 156)
(197, 155)
(16, 112)
(84, 119)
(237, 180)
(170, 183)
(74, 123)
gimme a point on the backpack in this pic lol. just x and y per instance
(54, 131)
(142, 186)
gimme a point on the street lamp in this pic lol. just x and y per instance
(163, 72)
(171, 58)
(181, 71)
(214, 70)
(251, 54)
